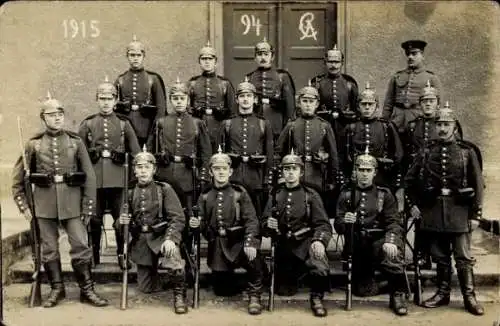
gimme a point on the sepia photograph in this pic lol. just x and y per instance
(234, 162)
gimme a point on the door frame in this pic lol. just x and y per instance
(215, 25)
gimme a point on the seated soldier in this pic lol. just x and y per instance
(157, 222)
(230, 225)
(296, 215)
(378, 233)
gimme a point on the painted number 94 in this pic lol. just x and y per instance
(250, 21)
(73, 28)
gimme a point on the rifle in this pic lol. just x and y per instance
(35, 298)
(350, 249)
(417, 296)
(125, 210)
(196, 245)
(273, 241)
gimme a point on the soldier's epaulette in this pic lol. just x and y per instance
(350, 78)
(312, 189)
(153, 73)
(72, 134)
(384, 189)
(194, 78)
(222, 77)
(38, 135)
(239, 187)
(321, 119)
(260, 116)
(122, 117)
(92, 116)
(317, 78)
(123, 73)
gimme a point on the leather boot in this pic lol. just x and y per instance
(317, 307)
(96, 242)
(466, 280)
(84, 277)
(442, 295)
(254, 292)
(179, 284)
(57, 292)
(398, 296)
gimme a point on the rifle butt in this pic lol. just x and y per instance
(417, 295)
(348, 292)
(271, 285)
(124, 294)
(35, 299)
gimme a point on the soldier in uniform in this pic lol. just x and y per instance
(247, 137)
(402, 98)
(212, 96)
(275, 89)
(64, 194)
(108, 136)
(445, 188)
(313, 139)
(180, 143)
(300, 225)
(141, 93)
(157, 222)
(382, 140)
(338, 94)
(231, 227)
(378, 233)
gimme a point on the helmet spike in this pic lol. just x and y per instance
(309, 83)
(367, 85)
(264, 39)
(219, 150)
(292, 152)
(144, 149)
(208, 43)
(48, 97)
(134, 38)
(335, 47)
(446, 105)
(428, 83)
(106, 80)
(178, 81)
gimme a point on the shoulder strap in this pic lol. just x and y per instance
(159, 192)
(262, 124)
(236, 203)
(463, 159)
(150, 85)
(122, 134)
(380, 200)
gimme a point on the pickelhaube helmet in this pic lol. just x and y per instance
(144, 157)
(334, 54)
(135, 45)
(107, 87)
(178, 87)
(366, 160)
(309, 91)
(245, 87)
(208, 50)
(368, 94)
(428, 91)
(291, 159)
(264, 46)
(446, 113)
(50, 105)
(219, 159)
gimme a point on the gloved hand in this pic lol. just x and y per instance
(318, 249)
(390, 249)
(194, 222)
(168, 248)
(250, 252)
(350, 218)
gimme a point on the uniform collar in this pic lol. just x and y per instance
(334, 76)
(365, 189)
(208, 74)
(54, 133)
(107, 115)
(297, 187)
(144, 185)
(416, 70)
(246, 115)
(136, 70)
(308, 117)
(227, 185)
(264, 68)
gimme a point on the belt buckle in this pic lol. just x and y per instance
(208, 111)
(407, 105)
(144, 228)
(445, 191)
(265, 101)
(177, 159)
(134, 107)
(106, 153)
(58, 178)
(308, 158)
(244, 158)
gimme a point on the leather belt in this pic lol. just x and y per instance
(445, 192)
(106, 153)
(177, 159)
(244, 158)
(58, 178)
(134, 107)
(308, 158)
(209, 111)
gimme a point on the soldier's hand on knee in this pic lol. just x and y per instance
(168, 248)
(350, 218)
(272, 223)
(251, 253)
(27, 215)
(124, 219)
(390, 249)
(194, 222)
(318, 249)
(415, 212)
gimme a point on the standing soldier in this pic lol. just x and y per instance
(313, 139)
(402, 98)
(381, 139)
(445, 189)
(157, 222)
(180, 143)
(108, 136)
(275, 89)
(64, 194)
(338, 94)
(212, 96)
(378, 232)
(247, 138)
(300, 223)
(231, 227)
(141, 93)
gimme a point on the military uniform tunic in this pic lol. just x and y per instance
(309, 136)
(180, 136)
(213, 100)
(276, 96)
(138, 87)
(383, 142)
(403, 94)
